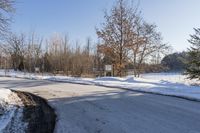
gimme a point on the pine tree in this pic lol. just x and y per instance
(193, 69)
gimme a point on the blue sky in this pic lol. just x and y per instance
(77, 18)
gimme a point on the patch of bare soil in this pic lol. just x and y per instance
(1, 110)
(37, 113)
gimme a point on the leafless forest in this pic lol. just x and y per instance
(125, 40)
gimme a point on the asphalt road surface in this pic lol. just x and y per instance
(94, 109)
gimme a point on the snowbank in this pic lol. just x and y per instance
(173, 84)
(4, 93)
(5, 114)
(156, 86)
(171, 77)
(9, 104)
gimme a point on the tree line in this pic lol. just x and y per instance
(54, 55)
(189, 61)
(176, 62)
(125, 41)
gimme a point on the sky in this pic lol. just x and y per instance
(77, 19)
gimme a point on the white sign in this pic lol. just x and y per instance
(37, 69)
(108, 67)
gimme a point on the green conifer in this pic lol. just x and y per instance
(193, 69)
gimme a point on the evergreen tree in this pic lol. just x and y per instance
(193, 69)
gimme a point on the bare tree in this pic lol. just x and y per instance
(87, 57)
(148, 42)
(116, 33)
(126, 37)
(34, 52)
(15, 48)
(6, 9)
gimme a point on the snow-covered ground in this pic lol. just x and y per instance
(10, 112)
(173, 84)
(171, 77)
(5, 114)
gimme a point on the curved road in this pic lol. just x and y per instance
(93, 109)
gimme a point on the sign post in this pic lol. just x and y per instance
(108, 70)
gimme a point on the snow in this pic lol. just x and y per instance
(173, 84)
(90, 108)
(156, 86)
(5, 118)
(4, 94)
(171, 77)
(9, 106)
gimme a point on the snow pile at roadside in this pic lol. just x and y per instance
(163, 83)
(18, 74)
(11, 113)
(171, 77)
(155, 86)
(5, 115)
(86, 81)
(3, 98)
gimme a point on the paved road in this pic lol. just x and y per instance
(92, 109)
